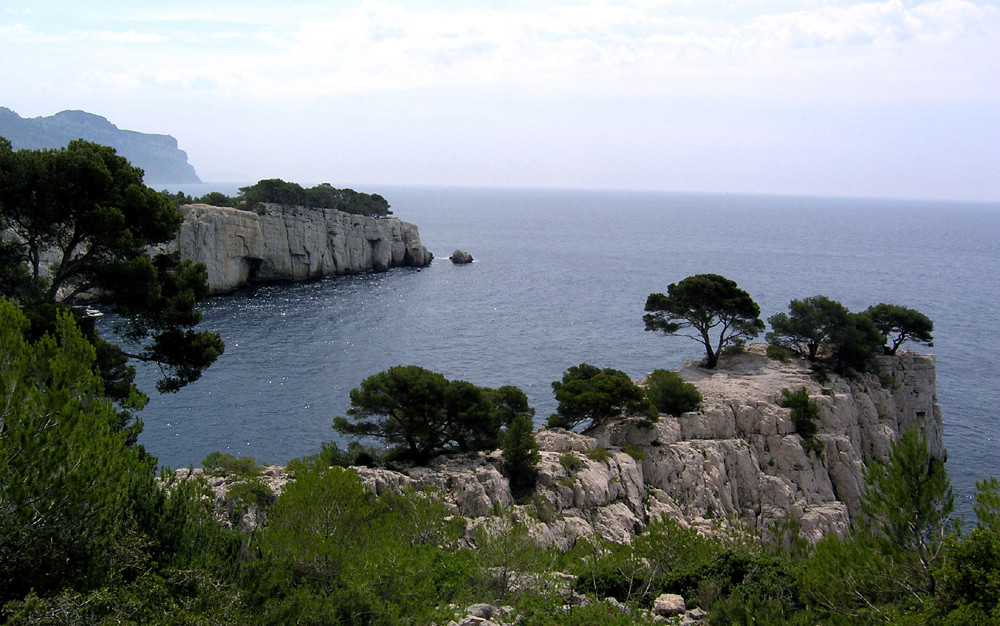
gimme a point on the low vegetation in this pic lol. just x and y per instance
(670, 394)
(804, 413)
(277, 191)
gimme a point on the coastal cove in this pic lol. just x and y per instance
(559, 279)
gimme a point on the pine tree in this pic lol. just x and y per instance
(907, 504)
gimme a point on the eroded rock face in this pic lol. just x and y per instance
(293, 243)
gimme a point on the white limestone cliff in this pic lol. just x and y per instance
(293, 243)
(737, 458)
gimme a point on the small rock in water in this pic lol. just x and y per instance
(461, 257)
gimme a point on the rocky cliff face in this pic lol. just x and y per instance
(738, 458)
(293, 243)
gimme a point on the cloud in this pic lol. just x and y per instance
(872, 23)
(624, 48)
(128, 37)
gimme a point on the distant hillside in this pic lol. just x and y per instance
(157, 155)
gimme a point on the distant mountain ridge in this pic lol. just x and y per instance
(158, 155)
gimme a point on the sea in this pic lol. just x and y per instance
(560, 278)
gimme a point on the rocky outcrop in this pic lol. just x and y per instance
(737, 459)
(461, 257)
(293, 243)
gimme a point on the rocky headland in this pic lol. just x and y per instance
(737, 460)
(158, 155)
(293, 243)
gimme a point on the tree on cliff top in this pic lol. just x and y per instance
(809, 324)
(590, 395)
(904, 323)
(82, 223)
(707, 304)
(422, 414)
(324, 196)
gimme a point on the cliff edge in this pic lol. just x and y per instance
(293, 243)
(736, 460)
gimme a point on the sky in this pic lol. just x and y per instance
(879, 99)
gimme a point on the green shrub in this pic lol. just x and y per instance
(590, 396)
(599, 454)
(819, 373)
(241, 496)
(520, 456)
(670, 394)
(804, 411)
(778, 353)
(633, 451)
(330, 455)
(571, 462)
(735, 348)
(228, 465)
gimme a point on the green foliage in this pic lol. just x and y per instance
(423, 414)
(247, 494)
(988, 505)
(854, 345)
(570, 462)
(670, 394)
(599, 454)
(906, 504)
(707, 304)
(590, 396)
(634, 451)
(178, 199)
(818, 372)
(823, 329)
(89, 207)
(228, 465)
(899, 324)
(808, 325)
(969, 590)
(334, 553)
(778, 353)
(506, 550)
(324, 196)
(216, 198)
(520, 456)
(80, 509)
(331, 455)
(803, 411)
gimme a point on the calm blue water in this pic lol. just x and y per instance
(561, 277)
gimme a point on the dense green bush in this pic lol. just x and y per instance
(422, 414)
(222, 464)
(590, 396)
(670, 394)
(325, 196)
(520, 456)
(570, 461)
(803, 411)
